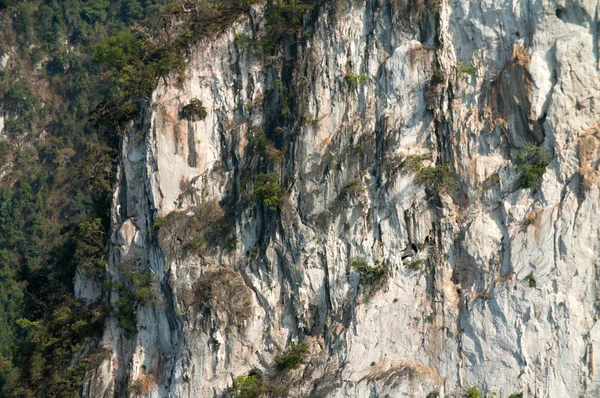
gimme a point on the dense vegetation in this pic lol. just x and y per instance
(54, 197)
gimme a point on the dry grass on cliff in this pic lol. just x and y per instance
(589, 156)
(224, 292)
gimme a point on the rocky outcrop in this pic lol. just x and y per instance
(486, 283)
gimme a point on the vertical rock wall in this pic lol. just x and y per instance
(489, 284)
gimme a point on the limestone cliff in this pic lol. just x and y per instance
(487, 284)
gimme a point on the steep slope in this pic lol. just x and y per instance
(412, 248)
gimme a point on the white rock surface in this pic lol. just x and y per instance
(468, 317)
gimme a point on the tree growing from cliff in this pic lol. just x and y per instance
(268, 191)
(291, 358)
(195, 109)
(532, 164)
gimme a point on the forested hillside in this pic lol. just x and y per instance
(59, 98)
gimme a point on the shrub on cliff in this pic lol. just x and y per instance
(474, 392)
(372, 278)
(268, 191)
(247, 387)
(291, 358)
(195, 109)
(532, 164)
(356, 79)
(437, 178)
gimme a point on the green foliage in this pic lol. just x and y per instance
(437, 178)
(373, 363)
(474, 392)
(532, 164)
(372, 277)
(24, 24)
(516, 395)
(258, 138)
(139, 290)
(413, 162)
(19, 98)
(54, 202)
(94, 11)
(89, 247)
(95, 175)
(247, 387)
(11, 296)
(260, 141)
(283, 18)
(194, 109)
(268, 191)
(242, 41)
(20, 102)
(284, 95)
(135, 70)
(433, 394)
(494, 178)
(4, 151)
(468, 70)
(117, 50)
(352, 187)
(160, 222)
(354, 80)
(531, 280)
(416, 264)
(291, 358)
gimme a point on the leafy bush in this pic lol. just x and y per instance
(463, 69)
(283, 18)
(437, 178)
(354, 80)
(494, 178)
(194, 109)
(241, 41)
(268, 191)
(247, 387)
(140, 289)
(291, 358)
(160, 222)
(532, 164)
(89, 249)
(516, 395)
(414, 162)
(4, 152)
(531, 280)
(372, 277)
(19, 98)
(474, 392)
(259, 139)
(352, 187)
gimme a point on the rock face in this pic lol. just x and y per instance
(487, 284)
